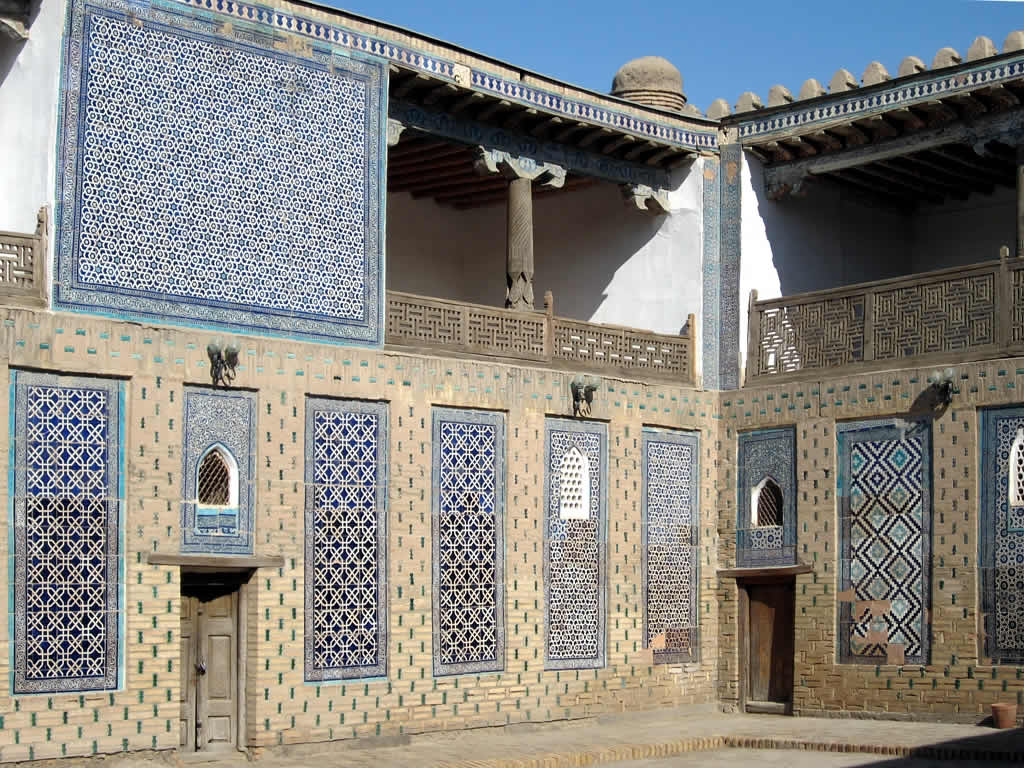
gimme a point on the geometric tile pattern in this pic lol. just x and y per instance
(198, 177)
(468, 541)
(766, 457)
(222, 420)
(671, 480)
(711, 298)
(346, 543)
(66, 533)
(574, 551)
(884, 477)
(1002, 538)
(729, 244)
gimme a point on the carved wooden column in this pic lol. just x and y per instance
(1020, 201)
(521, 173)
(519, 245)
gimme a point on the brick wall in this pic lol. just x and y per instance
(280, 707)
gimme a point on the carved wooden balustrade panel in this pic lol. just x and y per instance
(23, 265)
(439, 325)
(975, 311)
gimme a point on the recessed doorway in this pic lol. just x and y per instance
(768, 610)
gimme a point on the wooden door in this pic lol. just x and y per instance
(770, 655)
(218, 685)
(189, 607)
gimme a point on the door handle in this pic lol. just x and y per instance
(201, 667)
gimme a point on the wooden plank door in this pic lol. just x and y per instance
(189, 637)
(218, 686)
(770, 656)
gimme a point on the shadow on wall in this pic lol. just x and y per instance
(826, 237)
(600, 258)
(9, 47)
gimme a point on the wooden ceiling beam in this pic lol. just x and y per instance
(640, 149)
(462, 168)
(441, 192)
(976, 165)
(564, 134)
(402, 153)
(943, 173)
(492, 109)
(466, 101)
(593, 136)
(513, 121)
(892, 183)
(968, 106)
(868, 192)
(878, 127)
(546, 127)
(910, 120)
(439, 94)
(404, 87)
(853, 136)
(433, 182)
(617, 143)
(914, 176)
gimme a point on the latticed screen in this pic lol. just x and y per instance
(214, 480)
(1017, 471)
(769, 505)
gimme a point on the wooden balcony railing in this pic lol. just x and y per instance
(23, 265)
(437, 325)
(967, 313)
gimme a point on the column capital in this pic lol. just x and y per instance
(518, 167)
(646, 198)
(395, 129)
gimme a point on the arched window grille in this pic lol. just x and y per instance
(767, 504)
(1017, 470)
(217, 479)
(574, 488)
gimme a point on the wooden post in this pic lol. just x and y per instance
(868, 350)
(752, 367)
(691, 361)
(549, 325)
(519, 245)
(1004, 299)
(1020, 201)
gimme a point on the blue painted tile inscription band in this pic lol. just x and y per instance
(671, 524)
(763, 456)
(729, 268)
(885, 496)
(346, 540)
(468, 541)
(270, 217)
(575, 575)
(66, 438)
(222, 421)
(711, 272)
(1002, 537)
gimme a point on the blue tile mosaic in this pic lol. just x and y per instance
(66, 437)
(575, 576)
(729, 268)
(763, 456)
(346, 539)
(711, 273)
(468, 541)
(1001, 539)
(884, 488)
(209, 179)
(219, 420)
(671, 525)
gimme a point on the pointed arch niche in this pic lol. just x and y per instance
(216, 492)
(766, 504)
(1016, 470)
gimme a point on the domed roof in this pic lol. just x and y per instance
(650, 80)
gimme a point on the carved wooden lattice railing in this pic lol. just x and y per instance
(23, 265)
(974, 312)
(438, 325)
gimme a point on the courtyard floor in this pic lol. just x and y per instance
(668, 738)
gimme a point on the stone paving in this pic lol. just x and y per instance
(662, 738)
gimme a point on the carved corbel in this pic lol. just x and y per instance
(646, 198)
(14, 27)
(780, 182)
(395, 129)
(512, 167)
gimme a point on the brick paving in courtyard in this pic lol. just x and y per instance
(656, 739)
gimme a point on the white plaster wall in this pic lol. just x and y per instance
(29, 87)
(603, 261)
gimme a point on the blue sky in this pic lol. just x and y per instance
(721, 48)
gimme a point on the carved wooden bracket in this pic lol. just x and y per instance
(395, 129)
(513, 167)
(645, 198)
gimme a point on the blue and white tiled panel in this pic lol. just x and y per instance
(222, 421)
(575, 535)
(67, 532)
(766, 456)
(201, 175)
(1002, 533)
(345, 546)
